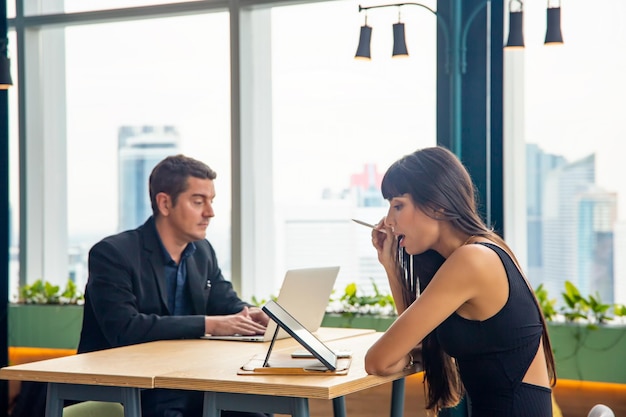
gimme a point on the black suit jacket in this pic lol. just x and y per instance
(126, 292)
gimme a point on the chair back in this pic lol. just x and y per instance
(94, 409)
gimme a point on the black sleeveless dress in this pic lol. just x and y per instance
(493, 355)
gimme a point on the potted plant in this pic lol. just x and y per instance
(46, 316)
(588, 336)
(357, 309)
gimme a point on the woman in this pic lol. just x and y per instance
(460, 296)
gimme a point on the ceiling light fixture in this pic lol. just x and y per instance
(454, 33)
(363, 51)
(516, 24)
(399, 40)
(553, 27)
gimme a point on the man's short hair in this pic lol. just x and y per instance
(170, 177)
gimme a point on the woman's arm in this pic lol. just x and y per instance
(460, 279)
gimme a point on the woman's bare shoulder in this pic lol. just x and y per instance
(473, 262)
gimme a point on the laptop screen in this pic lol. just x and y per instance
(304, 293)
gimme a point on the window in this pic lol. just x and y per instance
(114, 99)
(318, 130)
(137, 92)
(338, 123)
(573, 104)
(14, 197)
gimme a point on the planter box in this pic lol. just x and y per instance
(589, 354)
(47, 326)
(357, 321)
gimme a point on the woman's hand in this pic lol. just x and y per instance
(386, 245)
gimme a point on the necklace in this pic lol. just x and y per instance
(468, 240)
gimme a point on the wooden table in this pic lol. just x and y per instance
(119, 375)
(284, 394)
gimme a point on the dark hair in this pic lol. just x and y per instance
(170, 177)
(439, 183)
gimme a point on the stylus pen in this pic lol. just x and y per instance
(371, 226)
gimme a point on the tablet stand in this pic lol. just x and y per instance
(266, 362)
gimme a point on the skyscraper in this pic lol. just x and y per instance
(366, 186)
(140, 148)
(578, 219)
(538, 165)
(619, 263)
(597, 214)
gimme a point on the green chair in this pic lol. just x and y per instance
(94, 409)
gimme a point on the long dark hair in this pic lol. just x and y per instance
(438, 182)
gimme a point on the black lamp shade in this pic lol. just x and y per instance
(516, 30)
(363, 50)
(399, 40)
(553, 32)
(5, 72)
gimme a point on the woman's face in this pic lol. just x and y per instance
(417, 232)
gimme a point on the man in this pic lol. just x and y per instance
(162, 281)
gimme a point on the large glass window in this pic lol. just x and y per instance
(317, 130)
(576, 200)
(14, 174)
(10, 8)
(338, 124)
(137, 92)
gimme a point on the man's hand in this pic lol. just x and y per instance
(258, 315)
(241, 323)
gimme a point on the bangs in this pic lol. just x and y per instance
(395, 182)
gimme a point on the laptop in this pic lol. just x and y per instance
(305, 294)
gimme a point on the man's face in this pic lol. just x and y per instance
(189, 218)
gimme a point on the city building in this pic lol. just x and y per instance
(538, 165)
(324, 234)
(619, 264)
(597, 214)
(140, 148)
(577, 220)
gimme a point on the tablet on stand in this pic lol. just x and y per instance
(322, 360)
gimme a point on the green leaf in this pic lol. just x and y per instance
(43, 292)
(353, 301)
(545, 303)
(619, 310)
